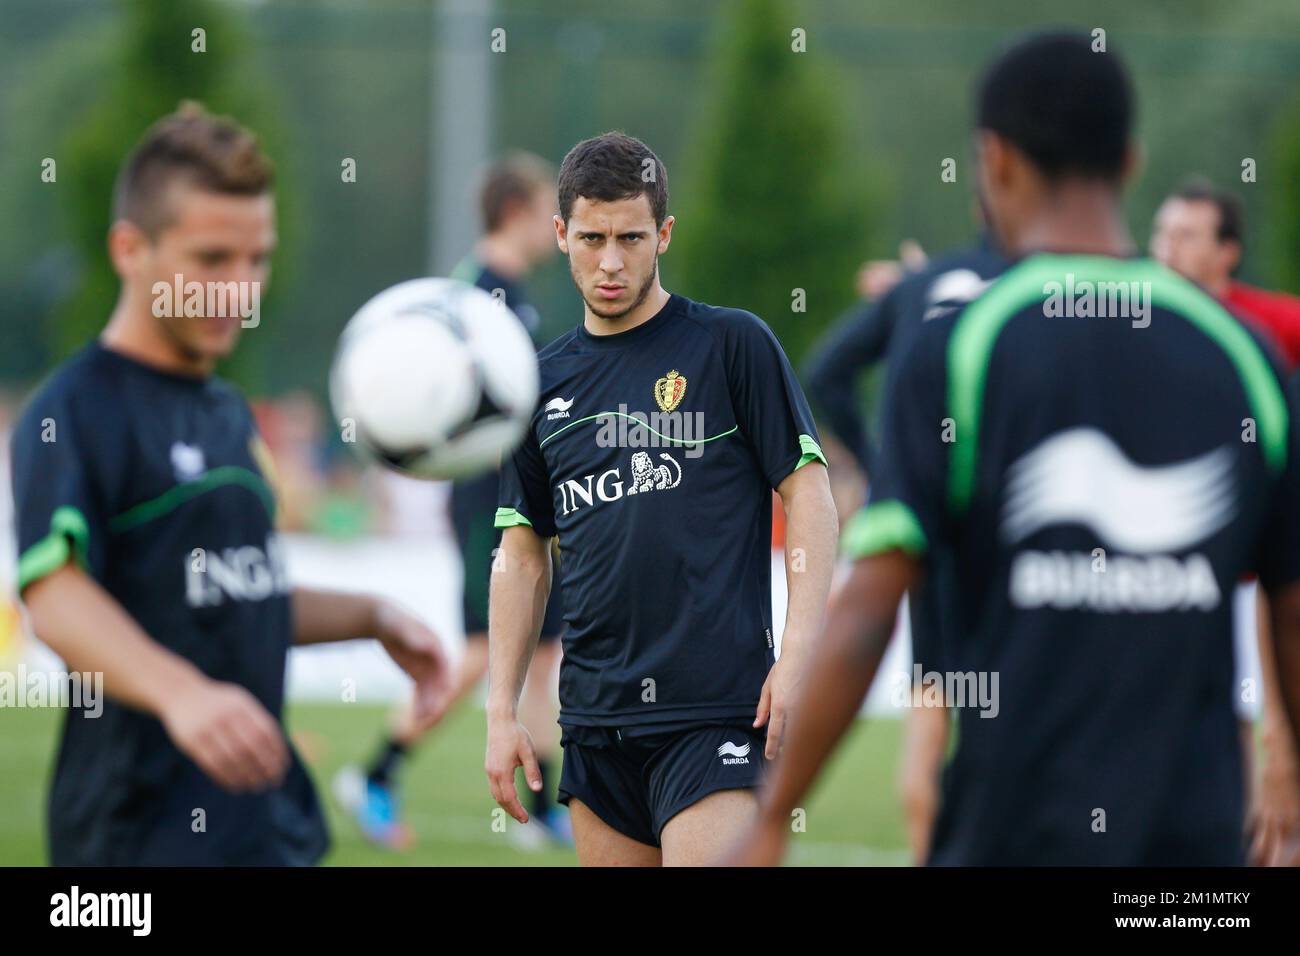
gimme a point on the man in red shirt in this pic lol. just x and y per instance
(1198, 233)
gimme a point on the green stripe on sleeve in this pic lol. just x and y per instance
(52, 551)
(509, 517)
(811, 451)
(883, 526)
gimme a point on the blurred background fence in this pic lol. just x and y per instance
(785, 170)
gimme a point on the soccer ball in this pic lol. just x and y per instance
(434, 378)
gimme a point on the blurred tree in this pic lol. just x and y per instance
(774, 217)
(37, 262)
(159, 62)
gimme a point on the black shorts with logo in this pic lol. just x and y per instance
(636, 779)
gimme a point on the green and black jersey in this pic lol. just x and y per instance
(653, 457)
(1099, 451)
(153, 483)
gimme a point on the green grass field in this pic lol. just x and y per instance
(854, 818)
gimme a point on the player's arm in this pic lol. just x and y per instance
(1285, 620)
(844, 661)
(1279, 576)
(1281, 842)
(323, 616)
(812, 530)
(221, 726)
(1275, 809)
(1279, 735)
(521, 583)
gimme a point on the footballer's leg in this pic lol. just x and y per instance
(603, 782)
(473, 666)
(704, 831)
(408, 728)
(925, 737)
(703, 789)
(371, 795)
(599, 844)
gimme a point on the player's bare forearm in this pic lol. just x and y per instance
(222, 727)
(521, 583)
(843, 662)
(91, 632)
(322, 616)
(1285, 620)
(811, 536)
(1276, 724)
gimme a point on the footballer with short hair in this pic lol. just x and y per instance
(670, 700)
(148, 551)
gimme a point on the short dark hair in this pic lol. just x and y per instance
(514, 178)
(213, 153)
(1067, 108)
(611, 167)
(1232, 217)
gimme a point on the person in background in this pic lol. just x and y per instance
(872, 334)
(1199, 232)
(517, 202)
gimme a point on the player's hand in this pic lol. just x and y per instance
(877, 277)
(417, 650)
(777, 698)
(509, 745)
(763, 844)
(229, 734)
(1275, 812)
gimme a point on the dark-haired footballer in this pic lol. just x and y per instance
(670, 702)
(148, 551)
(1085, 473)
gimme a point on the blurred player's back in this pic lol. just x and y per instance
(1098, 450)
(1104, 499)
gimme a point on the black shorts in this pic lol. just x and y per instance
(636, 779)
(473, 516)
